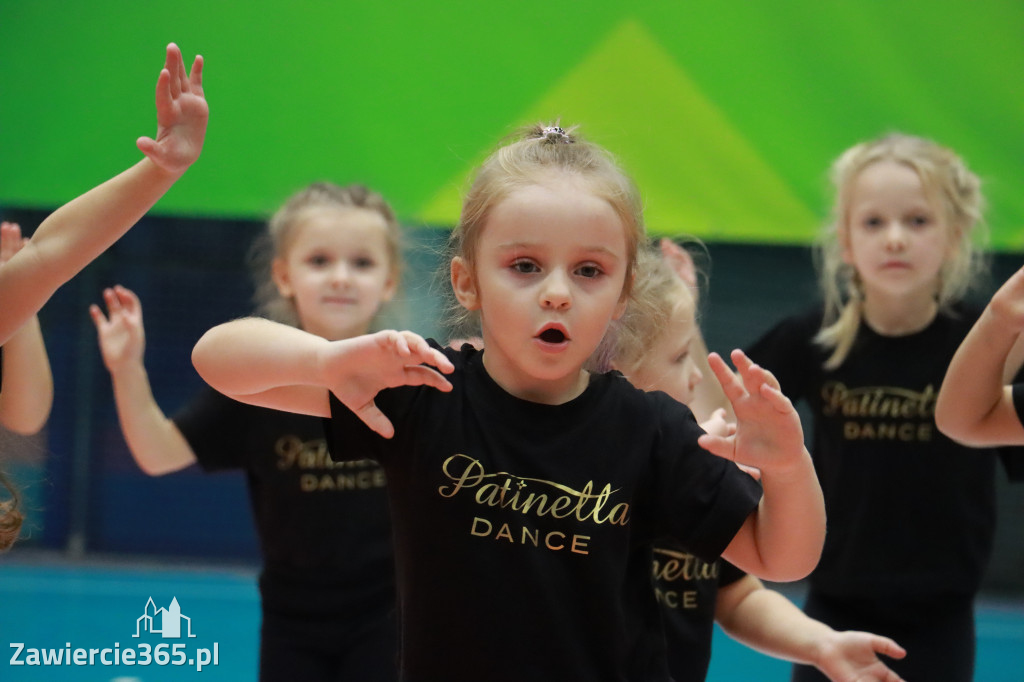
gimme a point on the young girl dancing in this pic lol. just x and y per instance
(327, 263)
(911, 513)
(527, 492)
(73, 235)
(657, 345)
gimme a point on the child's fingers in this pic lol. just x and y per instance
(419, 348)
(745, 367)
(375, 419)
(731, 386)
(720, 446)
(112, 301)
(419, 375)
(174, 65)
(164, 94)
(776, 398)
(752, 374)
(887, 647)
(98, 318)
(127, 297)
(149, 147)
(195, 77)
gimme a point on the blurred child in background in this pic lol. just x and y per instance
(328, 262)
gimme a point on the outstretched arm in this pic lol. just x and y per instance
(82, 229)
(975, 403)
(260, 362)
(782, 540)
(27, 394)
(766, 621)
(155, 442)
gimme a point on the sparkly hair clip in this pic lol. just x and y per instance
(555, 135)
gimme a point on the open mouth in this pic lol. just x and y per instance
(552, 335)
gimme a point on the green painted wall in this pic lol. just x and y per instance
(727, 114)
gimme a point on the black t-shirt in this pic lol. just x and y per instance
(323, 525)
(687, 587)
(523, 532)
(911, 513)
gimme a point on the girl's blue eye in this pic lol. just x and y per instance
(873, 222)
(588, 271)
(317, 260)
(363, 263)
(919, 220)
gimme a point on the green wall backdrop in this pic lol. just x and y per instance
(727, 114)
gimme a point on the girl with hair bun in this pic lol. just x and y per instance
(527, 491)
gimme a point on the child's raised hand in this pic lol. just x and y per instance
(181, 115)
(768, 434)
(363, 366)
(852, 656)
(11, 240)
(121, 335)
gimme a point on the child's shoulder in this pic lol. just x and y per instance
(655, 405)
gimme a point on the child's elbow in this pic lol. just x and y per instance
(204, 356)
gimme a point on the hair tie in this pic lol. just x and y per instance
(555, 135)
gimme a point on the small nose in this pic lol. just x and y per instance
(555, 293)
(895, 235)
(696, 377)
(340, 272)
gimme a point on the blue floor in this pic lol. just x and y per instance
(54, 607)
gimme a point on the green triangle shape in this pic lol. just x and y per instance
(698, 175)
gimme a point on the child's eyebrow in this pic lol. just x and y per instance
(599, 249)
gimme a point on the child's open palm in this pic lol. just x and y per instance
(363, 366)
(768, 433)
(181, 115)
(121, 335)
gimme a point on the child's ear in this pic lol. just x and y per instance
(390, 288)
(845, 251)
(464, 285)
(680, 260)
(279, 273)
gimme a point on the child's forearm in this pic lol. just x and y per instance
(974, 406)
(83, 228)
(27, 394)
(75, 234)
(791, 519)
(785, 535)
(155, 442)
(254, 355)
(768, 622)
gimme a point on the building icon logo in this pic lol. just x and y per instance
(166, 622)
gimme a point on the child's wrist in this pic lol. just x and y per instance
(793, 468)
